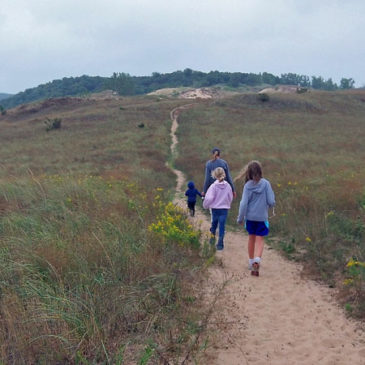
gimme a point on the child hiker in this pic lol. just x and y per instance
(257, 198)
(218, 198)
(191, 193)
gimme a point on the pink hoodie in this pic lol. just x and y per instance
(218, 196)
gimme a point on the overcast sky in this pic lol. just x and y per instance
(44, 40)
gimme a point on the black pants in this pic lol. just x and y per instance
(191, 206)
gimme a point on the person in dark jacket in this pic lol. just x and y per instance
(211, 165)
(191, 193)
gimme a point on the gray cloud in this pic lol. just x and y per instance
(41, 41)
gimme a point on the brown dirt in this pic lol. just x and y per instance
(275, 319)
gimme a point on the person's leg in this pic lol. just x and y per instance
(215, 217)
(251, 246)
(213, 226)
(259, 246)
(190, 206)
(222, 221)
(222, 224)
(193, 209)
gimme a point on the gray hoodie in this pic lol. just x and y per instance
(256, 200)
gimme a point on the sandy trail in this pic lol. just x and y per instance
(275, 319)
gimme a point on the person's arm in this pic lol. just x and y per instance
(230, 195)
(206, 178)
(198, 192)
(186, 193)
(209, 197)
(229, 179)
(270, 196)
(243, 207)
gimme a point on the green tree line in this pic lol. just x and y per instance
(125, 84)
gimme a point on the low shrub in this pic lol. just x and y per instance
(263, 97)
(52, 124)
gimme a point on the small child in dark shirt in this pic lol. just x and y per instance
(191, 193)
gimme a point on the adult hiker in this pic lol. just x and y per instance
(211, 165)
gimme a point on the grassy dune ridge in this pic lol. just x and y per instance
(312, 150)
(96, 266)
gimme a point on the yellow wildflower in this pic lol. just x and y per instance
(352, 262)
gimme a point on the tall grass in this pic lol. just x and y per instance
(85, 277)
(81, 275)
(312, 150)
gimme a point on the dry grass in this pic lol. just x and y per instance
(83, 280)
(312, 150)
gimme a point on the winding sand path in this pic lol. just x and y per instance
(276, 319)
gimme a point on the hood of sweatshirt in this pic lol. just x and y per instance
(221, 184)
(256, 187)
(191, 185)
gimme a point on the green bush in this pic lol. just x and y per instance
(52, 124)
(263, 97)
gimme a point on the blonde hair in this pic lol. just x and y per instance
(219, 174)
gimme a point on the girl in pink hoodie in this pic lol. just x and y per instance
(218, 198)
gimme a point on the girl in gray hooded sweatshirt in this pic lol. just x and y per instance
(257, 198)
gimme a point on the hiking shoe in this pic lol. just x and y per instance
(220, 245)
(255, 269)
(212, 239)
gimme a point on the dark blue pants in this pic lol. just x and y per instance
(219, 217)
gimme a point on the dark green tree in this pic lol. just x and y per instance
(330, 85)
(270, 79)
(347, 83)
(234, 79)
(122, 83)
(318, 82)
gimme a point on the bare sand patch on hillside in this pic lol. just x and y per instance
(192, 93)
(285, 89)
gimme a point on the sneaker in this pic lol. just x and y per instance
(212, 239)
(220, 245)
(255, 269)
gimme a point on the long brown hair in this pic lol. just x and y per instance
(253, 171)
